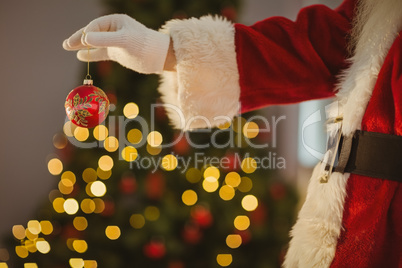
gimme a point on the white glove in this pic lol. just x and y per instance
(122, 39)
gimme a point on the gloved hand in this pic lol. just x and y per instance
(122, 39)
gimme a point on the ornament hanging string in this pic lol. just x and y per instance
(87, 106)
(88, 76)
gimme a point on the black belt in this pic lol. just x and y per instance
(371, 154)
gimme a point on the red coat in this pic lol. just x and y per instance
(282, 62)
(350, 221)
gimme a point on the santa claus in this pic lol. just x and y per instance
(352, 216)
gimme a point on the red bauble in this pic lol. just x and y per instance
(181, 145)
(155, 185)
(192, 234)
(87, 106)
(128, 184)
(202, 216)
(154, 250)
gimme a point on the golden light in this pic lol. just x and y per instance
(42, 246)
(251, 130)
(65, 186)
(46, 227)
(68, 175)
(58, 204)
(193, 175)
(21, 251)
(3, 265)
(105, 162)
(246, 185)
(137, 221)
(60, 141)
(249, 202)
(80, 223)
(189, 197)
(113, 232)
(88, 189)
(238, 123)
(4, 256)
(169, 162)
(248, 165)
(100, 132)
(30, 245)
(99, 205)
(131, 110)
(233, 241)
(71, 206)
(76, 263)
(134, 136)
(129, 153)
(104, 175)
(225, 125)
(30, 235)
(154, 150)
(89, 175)
(227, 192)
(151, 213)
(18, 232)
(111, 144)
(28, 265)
(212, 172)
(34, 227)
(241, 223)
(69, 129)
(210, 186)
(224, 259)
(81, 134)
(88, 206)
(53, 194)
(90, 264)
(154, 138)
(80, 246)
(98, 188)
(55, 166)
(233, 179)
(69, 243)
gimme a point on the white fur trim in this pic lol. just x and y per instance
(318, 227)
(316, 232)
(205, 90)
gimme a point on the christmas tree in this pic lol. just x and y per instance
(133, 192)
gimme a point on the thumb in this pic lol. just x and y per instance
(96, 54)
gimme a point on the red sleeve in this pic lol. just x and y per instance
(283, 62)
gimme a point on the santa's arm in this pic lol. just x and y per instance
(220, 66)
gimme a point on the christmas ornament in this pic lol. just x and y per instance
(155, 185)
(128, 184)
(202, 216)
(87, 106)
(192, 233)
(155, 250)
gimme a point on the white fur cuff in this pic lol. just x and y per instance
(204, 91)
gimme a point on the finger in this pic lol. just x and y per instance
(97, 54)
(102, 39)
(108, 23)
(74, 41)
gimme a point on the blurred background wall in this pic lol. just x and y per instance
(36, 74)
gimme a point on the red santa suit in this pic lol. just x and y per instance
(352, 220)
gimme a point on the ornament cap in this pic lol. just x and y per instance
(88, 82)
